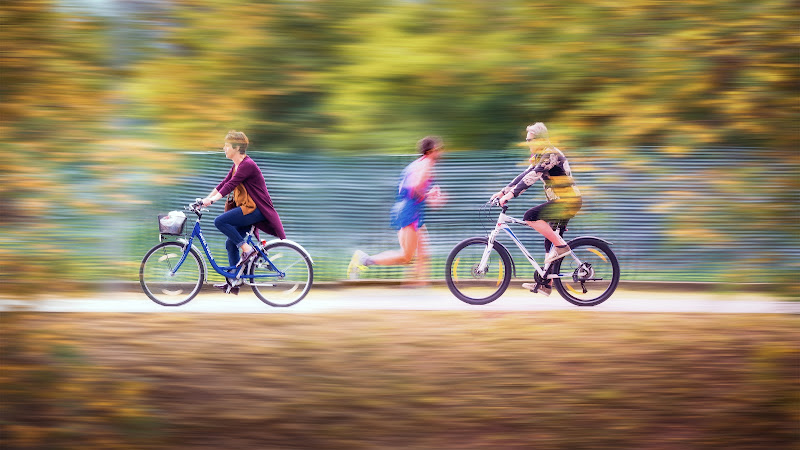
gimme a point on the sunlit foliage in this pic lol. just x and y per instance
(93, 93)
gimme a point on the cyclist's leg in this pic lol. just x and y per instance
(234, 225)
(552, 211)
(533, 217)
(232, 248)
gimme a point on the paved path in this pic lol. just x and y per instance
(335, 300)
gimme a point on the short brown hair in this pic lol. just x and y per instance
(238, 138)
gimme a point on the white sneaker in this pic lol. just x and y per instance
(356, 264)
(557, 253)
(545, 290)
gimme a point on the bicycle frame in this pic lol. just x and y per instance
(503, 222)
(197, 232)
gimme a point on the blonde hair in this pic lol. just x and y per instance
(239, 138)
(538, 129)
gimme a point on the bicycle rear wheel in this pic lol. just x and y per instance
(591, 280)
(283, 290)
(163, 286)
(469, 284)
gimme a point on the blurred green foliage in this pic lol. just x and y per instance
(335, 75)
(93, 92)
(342, 75)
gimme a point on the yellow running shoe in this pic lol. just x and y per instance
(356, 265)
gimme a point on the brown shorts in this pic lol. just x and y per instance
(561, 209)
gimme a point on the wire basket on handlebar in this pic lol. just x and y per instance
(171, 224)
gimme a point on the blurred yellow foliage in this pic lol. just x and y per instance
(94, 98)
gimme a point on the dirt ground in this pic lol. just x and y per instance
(400, 379)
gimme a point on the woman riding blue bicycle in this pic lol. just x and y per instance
(253, 205)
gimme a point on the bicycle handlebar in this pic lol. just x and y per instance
(197, 206)
(496, 202)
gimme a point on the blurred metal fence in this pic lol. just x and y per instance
(668, 218)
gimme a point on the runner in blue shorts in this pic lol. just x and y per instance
(415, 190)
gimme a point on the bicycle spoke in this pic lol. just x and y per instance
(160, 280)
(296, 279)
(471, 282)
(591, 276)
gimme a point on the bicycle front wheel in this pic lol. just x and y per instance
(292, 280)
(471, 284)
(590, 277)
(161, 284)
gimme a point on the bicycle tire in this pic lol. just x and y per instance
(604, 265)
(286, 291)
(166, 289)
(469, 286)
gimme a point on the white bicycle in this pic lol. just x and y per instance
(479, 269)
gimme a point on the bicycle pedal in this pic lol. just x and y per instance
(232, 290)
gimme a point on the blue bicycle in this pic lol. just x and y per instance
(173, 272)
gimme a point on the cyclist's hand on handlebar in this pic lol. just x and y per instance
(205, 201)
(505, 198)
(197, 205)
(495, 198)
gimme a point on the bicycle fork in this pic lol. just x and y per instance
(484, 264)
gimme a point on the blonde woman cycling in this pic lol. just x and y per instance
(563, 198)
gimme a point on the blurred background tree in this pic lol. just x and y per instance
(93, 92)
(336, 75)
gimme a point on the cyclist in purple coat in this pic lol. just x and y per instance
(253, 203)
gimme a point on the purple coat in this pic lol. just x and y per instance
(251, 177)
